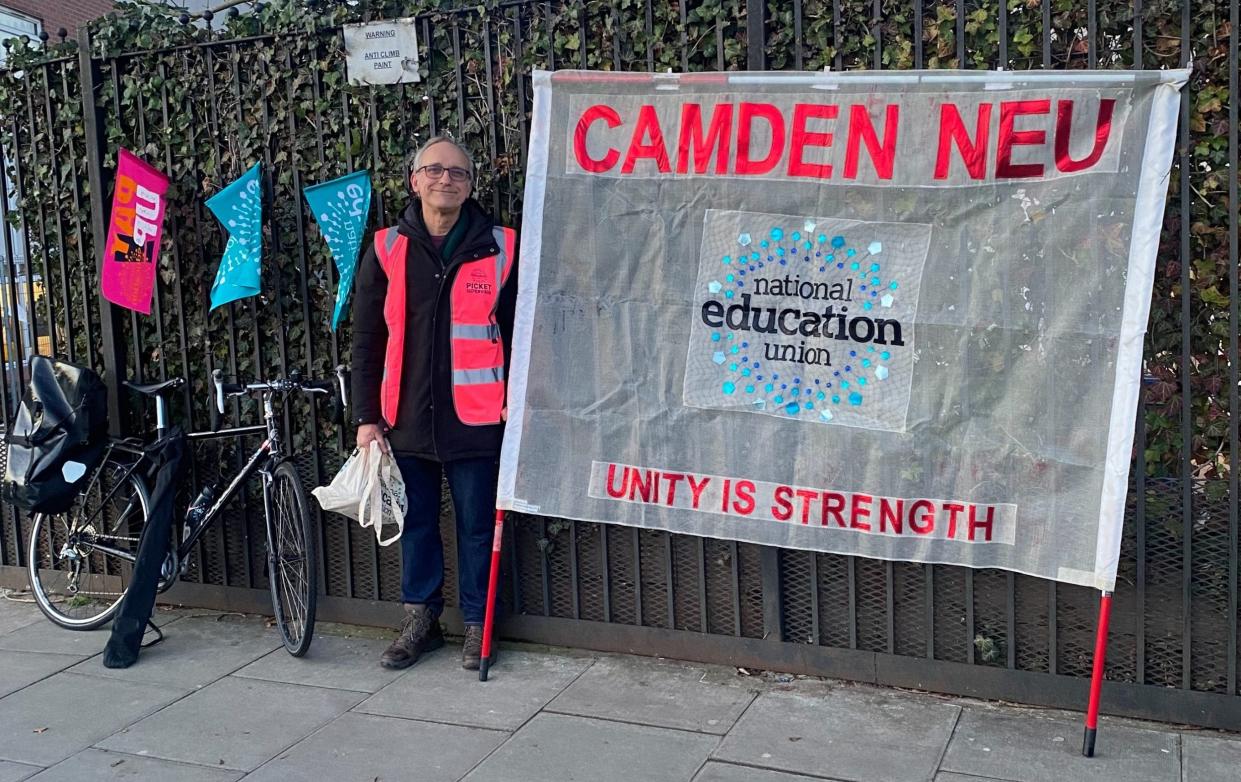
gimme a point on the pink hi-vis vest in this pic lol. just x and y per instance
(477, 349)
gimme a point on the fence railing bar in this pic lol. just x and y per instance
(575, 581)
(174, 252)
(333, 280)
(514, 562)
(969, 617)
(1137, 35)
(799, 41)
(582, 48)
(200, 242)
(137, 368)
(919, 59)
(13, 336)
(959, 33)
(889, 606)
(230, 310)
(109, 321)
(1053, 630)
(649, 22)
(605, 571)
(1092, 33)
(837, 38)
(303, 275)
(460, 80)
(816, 631)
(703, 607)
(670, 580)
(851, 566)
(1047, 34)
(773, 593)
(617, 63)
(876, 32)
(1139, 522)
(1234, 350)
(928, 571)
(1010, 617)
(684, 36)
(550, 15)
(1187, 476)
(32, 306)
(79, 235)
(1002, 6)
(637, 577)
(493, 136)
(157, 303)
(54, 165)
(523, 101)
(735, 567)
(544, 567)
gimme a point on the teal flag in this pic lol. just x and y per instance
(340, 207)
(240, 208)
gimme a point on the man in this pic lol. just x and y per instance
(432, 314)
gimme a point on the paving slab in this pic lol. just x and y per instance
(16, 772)
(437, 689)
(234, 723)
(366, 748)
(62, 715)
(194, 652)
(715, 771)
(1210, 758)
(1027, 745)
(655, 692)
(332, 661)
(15, 613)
(93, 765)
(47, 637)
(582, 749)
(853, 733)
(948, 776)
(21, 669)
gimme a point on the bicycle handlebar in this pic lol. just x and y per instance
(282, 385)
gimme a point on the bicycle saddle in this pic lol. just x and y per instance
(152, 389)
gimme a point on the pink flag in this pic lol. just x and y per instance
(132, 250)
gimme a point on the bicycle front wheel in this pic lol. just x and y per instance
(292, 558)
(80, 561)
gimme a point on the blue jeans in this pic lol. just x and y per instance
(472, 483)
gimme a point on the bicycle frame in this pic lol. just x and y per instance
(266, 456)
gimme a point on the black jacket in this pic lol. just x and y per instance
(427, 425)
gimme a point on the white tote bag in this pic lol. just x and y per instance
(370, 490)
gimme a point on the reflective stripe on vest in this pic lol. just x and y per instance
(477, 349)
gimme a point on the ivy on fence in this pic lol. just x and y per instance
(203, 101)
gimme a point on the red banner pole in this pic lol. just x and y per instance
(492, 584)
(1096, 675)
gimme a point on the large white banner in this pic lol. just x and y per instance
(898, 315)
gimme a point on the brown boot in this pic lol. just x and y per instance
(472, 649)
(420, 632)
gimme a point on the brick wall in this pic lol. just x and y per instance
(55, 14)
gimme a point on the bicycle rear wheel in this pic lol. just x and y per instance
(79, 562)
(293, 560)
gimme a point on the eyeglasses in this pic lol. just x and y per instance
(435, 171)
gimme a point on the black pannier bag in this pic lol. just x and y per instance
(57, 438)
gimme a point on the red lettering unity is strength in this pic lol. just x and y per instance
(972, 140)
(958, 520)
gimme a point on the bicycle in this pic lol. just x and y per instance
(78, 561)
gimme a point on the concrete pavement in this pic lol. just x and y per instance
(220, 701)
